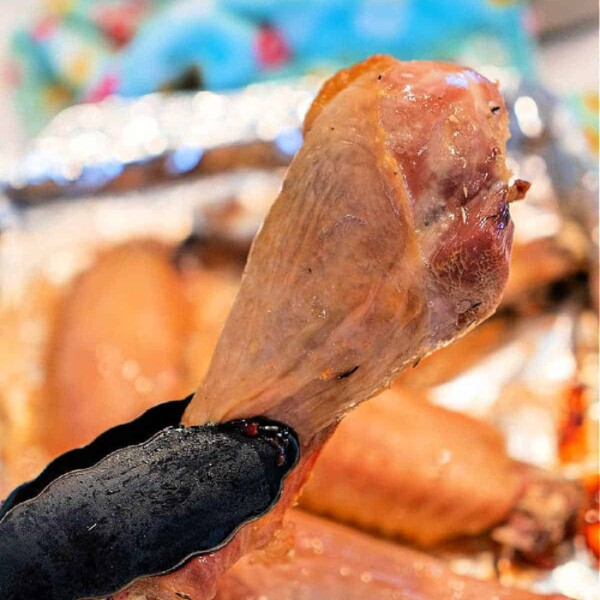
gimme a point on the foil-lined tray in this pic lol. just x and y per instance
(522, 388)
(169, 166)
(122, 144)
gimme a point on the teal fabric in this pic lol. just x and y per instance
(94, 48)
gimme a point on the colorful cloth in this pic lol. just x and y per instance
(587, 108)
(84, 50)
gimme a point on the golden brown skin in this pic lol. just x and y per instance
(331, 562)
(118, 339)
(403, 467)
(85, 369)
(391, 237)
(210, 295)
(24, 334)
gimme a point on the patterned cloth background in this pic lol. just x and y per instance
(82, 50)
(586, 108)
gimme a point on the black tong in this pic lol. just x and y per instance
(140, 500)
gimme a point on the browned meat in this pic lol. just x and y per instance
(330, 562)
(390, 238)
(402, 467)
(542, 517)
(122, 328)
(24, 333)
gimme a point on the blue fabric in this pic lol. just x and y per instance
(134, 47)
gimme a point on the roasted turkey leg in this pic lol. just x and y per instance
(390, 238)
(405, 468)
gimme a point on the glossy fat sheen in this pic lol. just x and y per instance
(391, 237)
(403, 467)
(331, 562)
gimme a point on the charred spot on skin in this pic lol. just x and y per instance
(502, 217)
(347, 373)
(466, 317)
(518, 190)
(466, 306)
(434, 214)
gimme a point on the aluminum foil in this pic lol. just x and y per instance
(107, 156)
(521, 388)
(121, 144)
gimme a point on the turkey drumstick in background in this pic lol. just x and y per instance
(332, 562)
(391, 237)
(405, 468)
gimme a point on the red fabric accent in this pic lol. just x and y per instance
(271, 47)
(120, 23)
(44, 29)
(107, 86)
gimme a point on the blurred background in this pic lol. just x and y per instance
(55, 52)
(143, 142)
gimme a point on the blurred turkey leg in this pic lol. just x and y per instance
(403, 467)
(332, 562)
